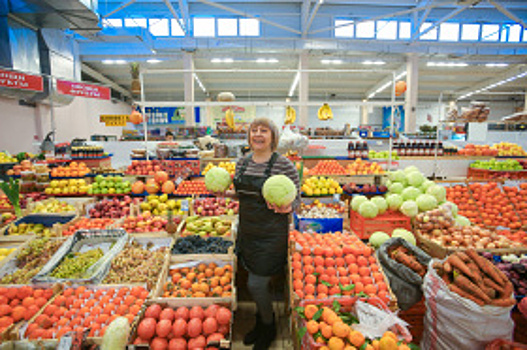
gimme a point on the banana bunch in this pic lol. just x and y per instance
(290, 115)
(324, 112)
(229, 118)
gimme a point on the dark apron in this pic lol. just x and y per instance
(262, 233)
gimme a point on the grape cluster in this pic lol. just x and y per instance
(75, 265)
(31, 259)
(198, 245)
(135, 264)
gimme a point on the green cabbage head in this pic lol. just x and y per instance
(279, 190)
(217, 179)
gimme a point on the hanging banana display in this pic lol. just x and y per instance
(290, 115)
(325, 112)
(229, 118)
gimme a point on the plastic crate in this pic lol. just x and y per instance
(386, 222)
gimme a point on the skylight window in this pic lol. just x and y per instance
(449, 32)
(405, 30)
(227, 27)
(158, 26)
(514, 33)
(112, 22)
(204, 27)
(490, 32)
(366, 29)
(175, 28)
(431, 35)
(249, 27)
(387, 30)
(347, 29)
(135, 22)
(470, 32)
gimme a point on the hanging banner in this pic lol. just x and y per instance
(398, 118)
(72, 88)
(165, 115)
(241, 114)
(16, 80)
(114, 119)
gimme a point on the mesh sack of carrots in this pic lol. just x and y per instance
(468, 303)
(405, 266)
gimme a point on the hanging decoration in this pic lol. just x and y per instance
(136, 118)
(400, 87)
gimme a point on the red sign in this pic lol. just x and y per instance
(84, 90)
(16, 80)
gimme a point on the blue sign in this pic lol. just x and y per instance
(165, 115)
(398, 119)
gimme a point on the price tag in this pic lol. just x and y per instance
(336, 197)
(184, 205)
(178, 181)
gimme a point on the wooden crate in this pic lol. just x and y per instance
(438, 251)
(195, 260)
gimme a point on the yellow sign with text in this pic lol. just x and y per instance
(113, 119)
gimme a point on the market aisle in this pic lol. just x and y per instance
(244, 320)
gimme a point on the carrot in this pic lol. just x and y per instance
(465, 295)
(490, 292)
(508, 290)
(487, 282)
(504, 302)
(409, 261)
(486, 266)
(478, 276)
(458, 264)
(464, 283)
(463, 256)
(447, 267)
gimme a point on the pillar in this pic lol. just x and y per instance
(303, 89)
(410, 102)
(188, 79)
(364, 115)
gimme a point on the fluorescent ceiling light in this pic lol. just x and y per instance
(331, 61)
(447, 64)
(294, 85)
(202, 87)
(374, 63)
(153, 61)
(493, 85)
(114, 61)
(492, 65)
(222, 60)
(386, 85)
(266, 60)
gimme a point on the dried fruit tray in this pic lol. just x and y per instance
(109, 241)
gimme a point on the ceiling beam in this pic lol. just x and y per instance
(384, 82)
(241, 13)
(425, 14)
(184, 8)
(176, 16)
(304, 13)
(312, 17)
(453, 13)
(507, 13)
(105, 80)
(124, 5)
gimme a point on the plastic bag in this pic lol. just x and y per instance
(404, 282)
(453, 322)
(373, 322)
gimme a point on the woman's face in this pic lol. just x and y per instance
(261, 138)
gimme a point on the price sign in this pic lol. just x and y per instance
(114, 119)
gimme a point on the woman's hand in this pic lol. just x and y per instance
(285, 209)
(228, 193)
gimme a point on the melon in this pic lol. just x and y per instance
(151, 186)
(138, 187)
(161, 176)
(168, 187)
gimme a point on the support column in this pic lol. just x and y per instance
(525, 102)
(188, 78)
(364, 115)
(410, 103)
(303, 89)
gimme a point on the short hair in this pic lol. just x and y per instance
(169, 133)
(268, 123)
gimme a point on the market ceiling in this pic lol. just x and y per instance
(287, 28)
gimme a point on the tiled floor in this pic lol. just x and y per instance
(244, 321)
